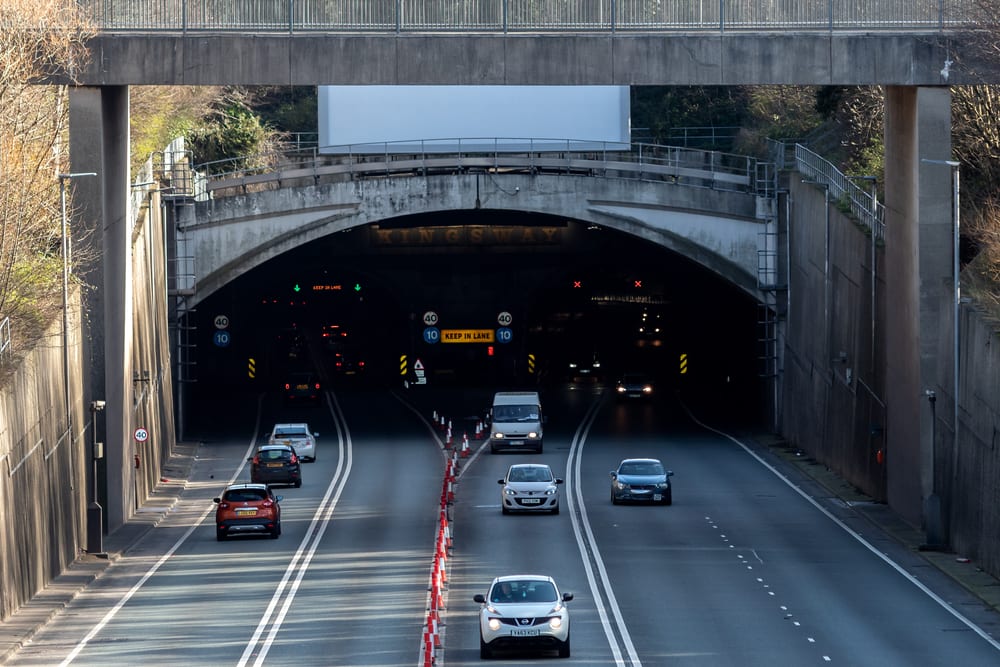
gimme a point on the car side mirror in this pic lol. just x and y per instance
(558, 481)
(613, 473)
(249, 458)
(670, 473)
(500, 481)
(567, 597)
(479, 597)
(316, 434)
(216, 500)
(279, 498)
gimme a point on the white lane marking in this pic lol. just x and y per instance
(588, 548)
(307, 548)
(158, 564)
(898, 568)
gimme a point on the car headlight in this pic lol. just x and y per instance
(498, 435)
(662, 485)
(494, 624)
(533, 435)
(555, 622)
(509, 491)
(620, 485)
(647, 389)
(551, 491)
(620, 389)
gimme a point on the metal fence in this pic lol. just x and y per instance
(861, 202)
(687, 166)
(5, 347)
(525, 15)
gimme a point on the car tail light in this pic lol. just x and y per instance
(256, 460)
(317, 386)
(361, 364)
(287, 386)
(295, 459)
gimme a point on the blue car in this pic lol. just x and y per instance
(641, 480)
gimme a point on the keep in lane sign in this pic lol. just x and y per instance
(467, 335)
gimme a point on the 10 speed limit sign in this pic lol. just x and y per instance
(141, 435)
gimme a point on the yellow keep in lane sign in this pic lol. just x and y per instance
(467, 335)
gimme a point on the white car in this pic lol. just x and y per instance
(529, 487)
(524, 611)
(302, 440)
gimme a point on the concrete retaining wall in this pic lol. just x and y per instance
(45, 459)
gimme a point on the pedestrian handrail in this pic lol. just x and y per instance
(863, 204)
(702, 168)
(511, 16)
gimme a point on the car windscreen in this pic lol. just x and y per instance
(290, 433)
(641, 468)
(274, 455)
(245, 495)
(523, 591)
(515, 413)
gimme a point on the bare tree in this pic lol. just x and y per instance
(37, 39)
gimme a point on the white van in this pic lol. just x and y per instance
(516, 421)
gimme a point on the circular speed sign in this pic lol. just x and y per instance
(141, 435)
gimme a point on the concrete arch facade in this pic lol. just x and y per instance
(226, 237)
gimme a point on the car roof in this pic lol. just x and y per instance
(291, 425)
(262, 448)
(530, 465)
(523, 577)
(640, 461)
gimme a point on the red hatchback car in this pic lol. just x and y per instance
(247, 508)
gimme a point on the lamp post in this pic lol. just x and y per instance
(956, 305)
(95, 513)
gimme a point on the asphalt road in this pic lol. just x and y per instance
(753, 564)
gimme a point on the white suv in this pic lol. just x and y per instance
(302, 440)
(521, 612)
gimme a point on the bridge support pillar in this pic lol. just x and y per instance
(918, 260)
(99, 143)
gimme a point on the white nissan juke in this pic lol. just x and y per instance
(523, 611)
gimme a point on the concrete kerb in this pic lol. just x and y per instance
(25, 623)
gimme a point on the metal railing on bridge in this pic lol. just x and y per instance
(503, 16)
(863, 204)
(303, 165)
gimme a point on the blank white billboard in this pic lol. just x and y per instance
(448, 119)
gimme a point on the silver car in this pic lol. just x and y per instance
(641, 480)
(524, 611)
(297, 436)
(529, 487)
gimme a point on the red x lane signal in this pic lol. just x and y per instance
(638, 283)
(577, 284)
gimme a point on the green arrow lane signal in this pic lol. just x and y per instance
(357, 287)
(297, 288)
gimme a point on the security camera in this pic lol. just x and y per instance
(97, 405)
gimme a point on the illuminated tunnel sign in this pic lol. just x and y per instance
(467, 336)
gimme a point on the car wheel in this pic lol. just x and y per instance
(493, 450)
(276, 532)
(668, 498)
(555, 510)
(298, 483)
(220, 534)
(564, 648)
(484, 651)
(504, 510)
(614, 498)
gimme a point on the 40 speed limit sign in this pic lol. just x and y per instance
(141, 435)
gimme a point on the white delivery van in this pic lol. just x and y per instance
(516, 421)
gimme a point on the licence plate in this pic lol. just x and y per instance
(524, 633)
(275, 465)
(515, 442)
(246, 512)
(657, 497)
(302, 387)
(530, 501)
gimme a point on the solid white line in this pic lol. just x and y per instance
(575, 456)
(156, 566)
(916, 582)
(310, 542)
